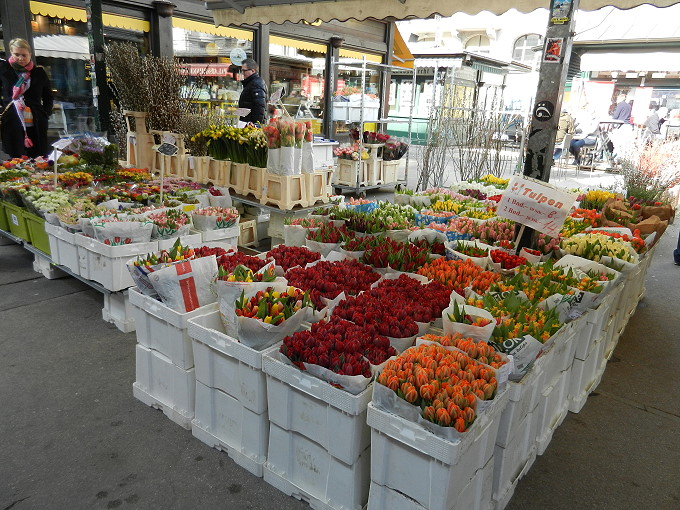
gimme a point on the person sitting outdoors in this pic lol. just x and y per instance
(651, 125)
(623, 110)
(566, 125)
(586, 135)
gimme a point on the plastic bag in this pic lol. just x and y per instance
(323, 248)
(117, 233)
(477, 333)
(307, 158)
(186, 286)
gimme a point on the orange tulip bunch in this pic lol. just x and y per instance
(480, 351)
(444, 384)
(457, 275)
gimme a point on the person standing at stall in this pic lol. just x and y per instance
(254, 94)
(26, 103)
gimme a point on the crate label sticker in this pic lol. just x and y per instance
(15, 220)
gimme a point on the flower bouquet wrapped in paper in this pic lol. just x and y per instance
(212, 218)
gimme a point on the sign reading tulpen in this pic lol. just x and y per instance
(536, 204)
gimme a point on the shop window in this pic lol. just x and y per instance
(522, 50)
(478, 44)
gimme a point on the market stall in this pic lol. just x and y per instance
(413, 330)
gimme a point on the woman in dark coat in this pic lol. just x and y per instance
(26, 103)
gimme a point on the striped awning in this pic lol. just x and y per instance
(78, 14)
(62, 46)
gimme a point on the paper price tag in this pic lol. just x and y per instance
(241, 112)
(276, 96)
(62, 143)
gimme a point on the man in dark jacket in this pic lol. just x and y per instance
(623, 109)
(254, 95)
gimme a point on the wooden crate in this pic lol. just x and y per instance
(237, 177)
(284, 191)
(347, 173)
(317, 184)
(219, 171)
(201, 166)
(254, 181)
(248, 235)
(139, 141)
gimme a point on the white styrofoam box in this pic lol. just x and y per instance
(510, 461)
(224, 423)
(427, 468)
(224, 363)
(118, 310)
(500, 502)
(43, 265)
(305, 404)
(552, 409)
(523, 397)
(370, 113)
(585, 375)
(63, 247)
(187, 240)
(302, 468)
(225, 235)
(106, 264)
(476, 495)
(340, 111)
(560, 356)
(163, 385)
(163, 329)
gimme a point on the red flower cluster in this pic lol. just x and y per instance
(291, 256)
(329, 233)
(229, 261)
(405, 257)
(507, 260)
(205, 251)
(385, 319)
(338, 345)
(328, 279)
(495, 198)
(425, 302)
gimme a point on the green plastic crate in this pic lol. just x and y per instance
(17, 223)
(36, 227)
(4, 224)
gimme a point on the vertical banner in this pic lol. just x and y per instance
(536, 204)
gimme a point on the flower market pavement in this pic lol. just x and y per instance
(72, 436)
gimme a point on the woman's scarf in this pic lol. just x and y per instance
(18, 90)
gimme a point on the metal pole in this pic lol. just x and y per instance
(549, 93)
(100, 89)
(410, 120)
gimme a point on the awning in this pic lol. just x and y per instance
(623, 61)
(208, 28)
(297, 44)
(62, 46)
(78, 14)
(401, 55)
(248, 12)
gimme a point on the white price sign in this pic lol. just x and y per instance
(536, 204)
(241, 112)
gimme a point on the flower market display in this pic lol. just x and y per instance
(420, 313)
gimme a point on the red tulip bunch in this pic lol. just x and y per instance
(388, 320)
(507, 260)
(328, 279)
(338, 345)
(229, 261)
(405, 257)
(291, 256)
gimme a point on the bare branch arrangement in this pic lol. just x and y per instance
(650, 168)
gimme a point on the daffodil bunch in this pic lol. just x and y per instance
(595, 246)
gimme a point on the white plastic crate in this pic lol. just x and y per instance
(118, 311)
(63, 247)
(476, 495)
(224, 363)
(305, 404)
(523, 397)
(187, 240)
(505, 496)
(510, 462)
(163, 329)
(427, 468)
(560, 356)
(223, 235)
(551, 410)
(106, 264)
(585, 376)
(163, 385)
(224, 423)
(302, 468)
